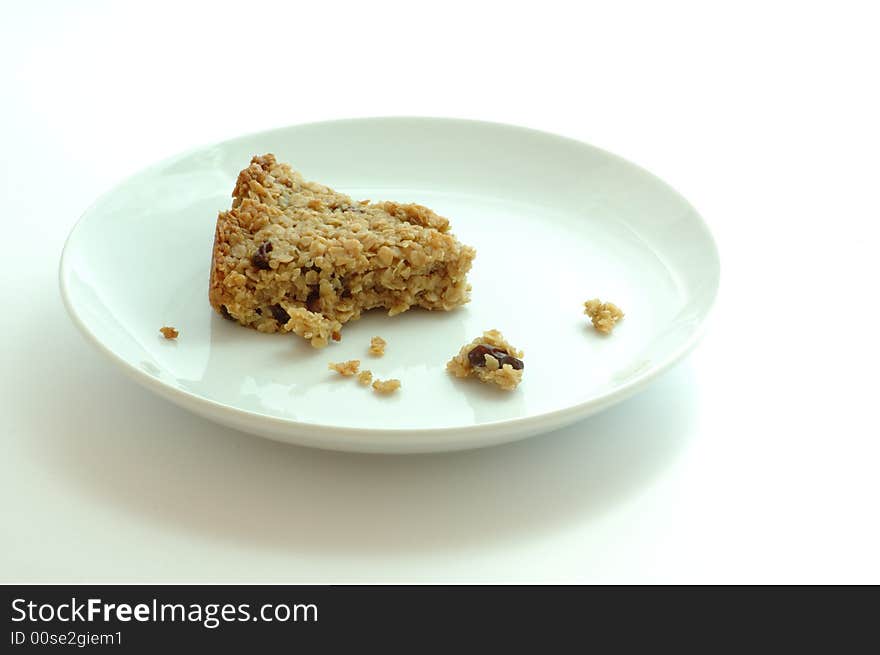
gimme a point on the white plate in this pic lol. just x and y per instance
(554, 222)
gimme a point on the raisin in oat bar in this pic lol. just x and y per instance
(296, 256)
(490, 359)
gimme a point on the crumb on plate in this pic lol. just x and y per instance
(377, 346)
(346, 369)
(386, 386)
(169, 332)
(490, 359)
(603, 314)
(365, 377)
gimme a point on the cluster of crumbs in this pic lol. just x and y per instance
(386, 386)
(377, 346)
(346, 369)
(365, 378)
(491, 360)
(169, 332)
(603, 314)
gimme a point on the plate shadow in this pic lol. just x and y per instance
(126, 448)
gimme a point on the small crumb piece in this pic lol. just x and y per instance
(603, 314)
(169, 332)
(377, 346)
(365, 377)
(386, 386)
(347, 369)
(491, 360)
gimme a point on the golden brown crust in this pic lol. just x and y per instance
(296, 256)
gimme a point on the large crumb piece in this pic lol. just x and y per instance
(347, 369)
(169, 332)
(386, 386)
(491, 360)
(603, 314)
(365, 377)
(296, 256)
(377, 346)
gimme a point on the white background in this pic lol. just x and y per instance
(756, 460)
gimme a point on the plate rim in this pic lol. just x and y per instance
(289, 429)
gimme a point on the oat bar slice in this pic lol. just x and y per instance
(296, 256)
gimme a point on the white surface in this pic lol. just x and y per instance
(754, 461)
(555, 222)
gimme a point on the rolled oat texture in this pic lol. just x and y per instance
(296, 256)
